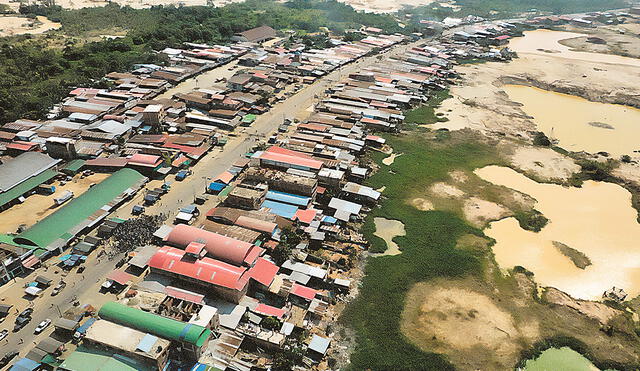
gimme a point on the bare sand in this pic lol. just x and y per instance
(390, 159)
(478, 211)
(422, 204)
(543, 163)
(596, 220)
(384, 6)
(446, 190)
(15, 25)
(387, 229)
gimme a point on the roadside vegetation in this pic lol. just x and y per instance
(428, 249)
(36, 72)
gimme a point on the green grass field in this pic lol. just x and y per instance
(428, 248)
(426, 114)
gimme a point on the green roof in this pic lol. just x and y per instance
(154, 324)
(74, 165)
(249, 118)
(8, 239)
(86, 359)
(26, 186)
(60, 224)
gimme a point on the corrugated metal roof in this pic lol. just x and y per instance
(218, 246)
(23, 167)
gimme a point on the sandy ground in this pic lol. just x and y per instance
(422, 204)
(446, 190)
(388, 229)
(13, 25)
(390, 159)
(481, 103)
(478, 211)
(384, 6)
(36, 207)
(629, 172)
(543, 163)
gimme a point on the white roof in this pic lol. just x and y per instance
(305, 269)
(184, 216)
(163, 231)
(342, 205)
(331, 173)
(319, 344)
(204, 316)
(361, 190)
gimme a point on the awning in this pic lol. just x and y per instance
(50, 345)
(25, 364)
(120, 277)
(65, 324)
(43, 280)
(30, 261)
(5, 308)
(185, 295)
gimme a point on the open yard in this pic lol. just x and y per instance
(37, 206)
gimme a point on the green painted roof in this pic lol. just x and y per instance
(74, 165)
(26, 186)
(154, 324)
(89, 359)
(8, 239)
(59, 224)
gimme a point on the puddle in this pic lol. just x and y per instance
(390, 159)
(579, 124)
(565, 359)
(387, 229)
(596, 220)
(546, 42)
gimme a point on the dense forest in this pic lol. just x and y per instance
(36, 73)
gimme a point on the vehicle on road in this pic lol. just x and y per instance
(42, 325)
(7, 358)
(3, 334)
(58, 288)
(26, 313)
(20, 323)
(182, 175)
(137, 210)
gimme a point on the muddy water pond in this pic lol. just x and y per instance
(387, 229)
(546, 42)
(565, 359)
(578, 124)
(596, 220)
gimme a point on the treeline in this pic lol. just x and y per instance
(496, 9)
(35, 75)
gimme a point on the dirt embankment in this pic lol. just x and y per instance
(482, 325)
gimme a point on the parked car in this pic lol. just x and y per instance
(42, 325)
(137, 210)
(26, 313)
(3, 334)
(7, 358)
(58, 288)
(20, 323)
(182, 174)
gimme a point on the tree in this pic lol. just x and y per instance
(541, 140)
(281, 254)
(271, 323)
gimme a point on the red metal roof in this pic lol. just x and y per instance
(264, 271)
(30, 261)
(252, 255)
(297, 160)
(21, 146)
(194, 248)
(305, 216)
(303, 291)
(225, 177)
(207, 270)
(218, 246)
(185, 295)
(145, 160)
(269, 310)
(108, 162)
(120, 277)
(255, 224)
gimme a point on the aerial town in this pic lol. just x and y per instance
(222, 210)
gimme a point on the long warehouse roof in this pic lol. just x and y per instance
(60, 224)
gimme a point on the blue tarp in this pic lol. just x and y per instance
(189, 209)
(64, 257)
(278, 208)
(147, 343)
(288, 198)
(216, 187)
(85, 326)
(24, 364)
(329, 220)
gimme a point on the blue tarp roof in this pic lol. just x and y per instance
(147, 342)
(278, 208)
(329, 220)
(85, 326)
(189, 209)
(288, 198)
(215, 186)
(24, 364)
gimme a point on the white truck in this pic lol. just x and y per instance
(66, 196)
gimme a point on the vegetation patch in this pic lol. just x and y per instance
(426, 114)
(531, 220)
(428, 249)
(578, 258)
